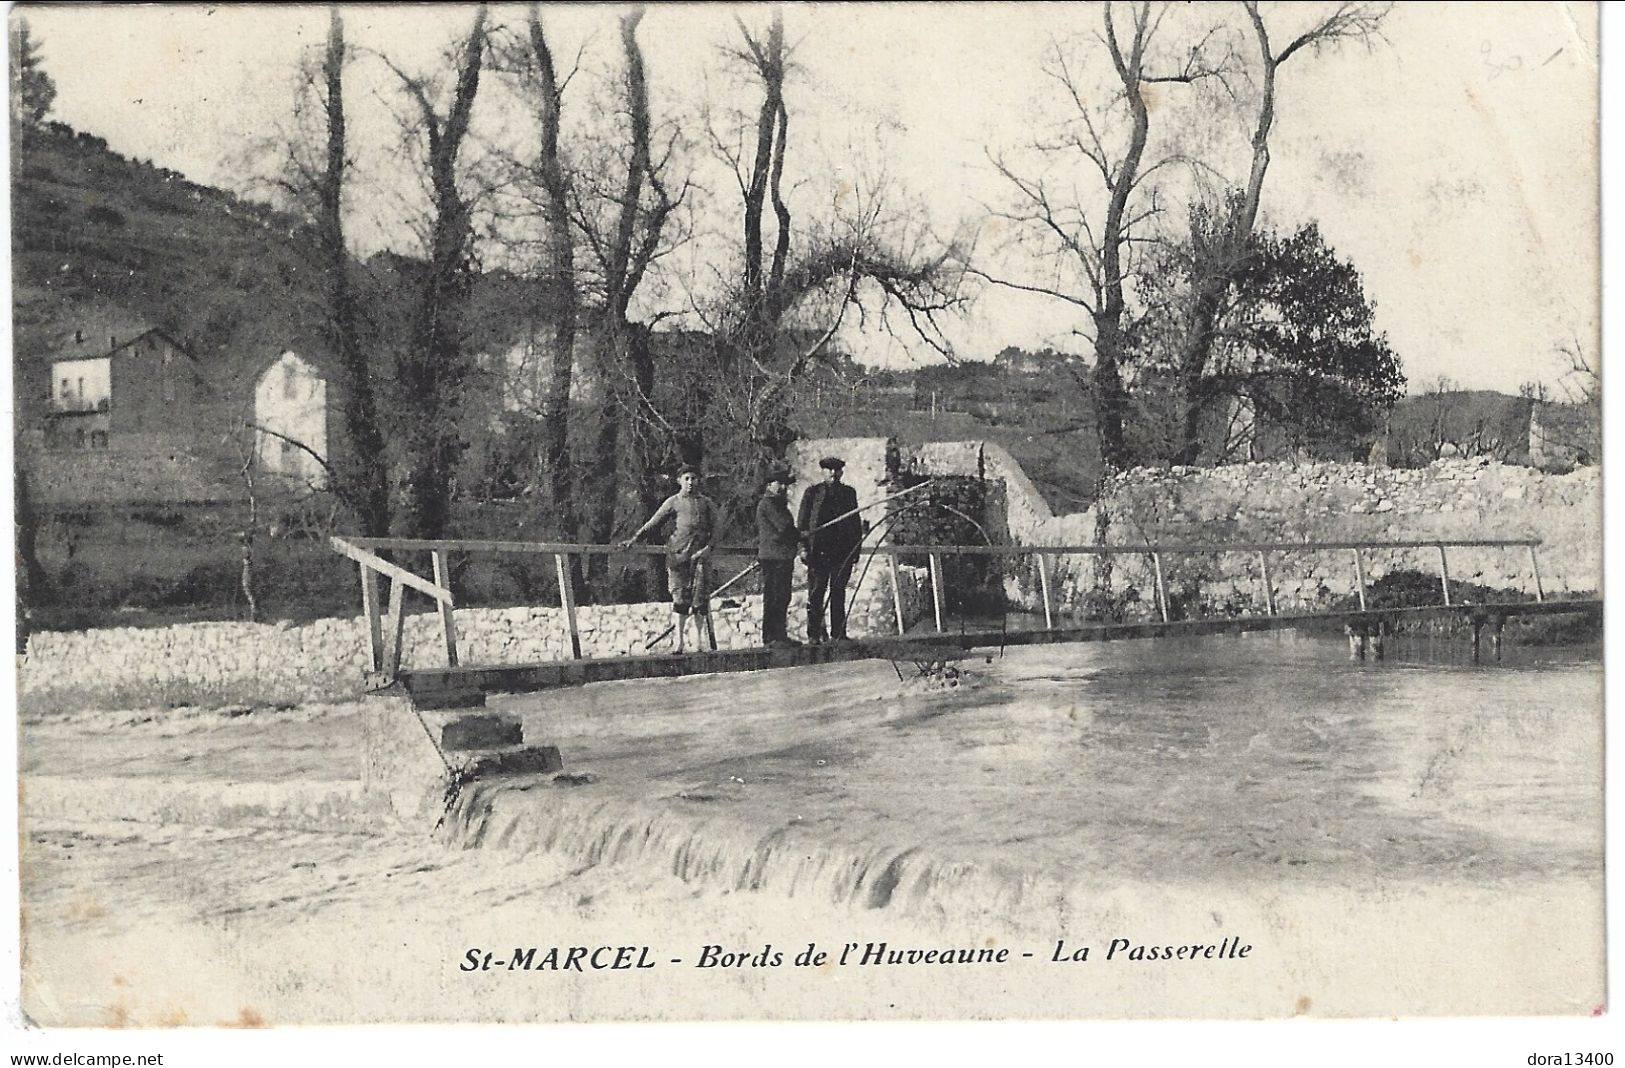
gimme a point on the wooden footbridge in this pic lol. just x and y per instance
(453, 683)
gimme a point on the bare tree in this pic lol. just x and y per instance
(1096, 246)
(1569, 434)
(1219, 252)
(1448, 422)
(365, 478)
(623, 205)
(310, 169)
(798, 280)
(432, 369)
(244, 440)
(544, 182)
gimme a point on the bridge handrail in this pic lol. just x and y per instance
(1196, 548)
(385, 646)
(1191, 548)
(479, 545)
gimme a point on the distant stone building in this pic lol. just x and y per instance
(1564, 436)
(291, 415)
(123, 416)
(129, 389)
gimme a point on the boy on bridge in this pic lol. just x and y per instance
(687, 551)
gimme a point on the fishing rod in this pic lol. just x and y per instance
(889, 520)
(822, 526)
(879, 534)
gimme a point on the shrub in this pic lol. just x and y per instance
(105, 215)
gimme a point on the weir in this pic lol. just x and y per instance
(419, 745)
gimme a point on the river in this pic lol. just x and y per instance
(1391, 837)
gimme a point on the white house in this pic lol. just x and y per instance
(290, 409)
(82, 385)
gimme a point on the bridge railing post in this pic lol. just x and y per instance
(936, 587)
(1043, 583)
(448, 622)
(372, 610)
(1159, 589)
(897, 594)
(567, 603)
(1534, 565)
(1359, 576)
(704, 573)
(395, 631)
(1269, 585)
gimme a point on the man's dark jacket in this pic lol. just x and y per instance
(776, 535)
(821, 503)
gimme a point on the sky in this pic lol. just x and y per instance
(1454, 162)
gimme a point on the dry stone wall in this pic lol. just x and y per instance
(1452, 499)
(1449, 500)
(261, 663)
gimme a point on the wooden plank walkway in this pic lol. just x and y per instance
(464, 685)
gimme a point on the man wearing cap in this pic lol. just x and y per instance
(831, 548)
(777, 540)
(687, 551)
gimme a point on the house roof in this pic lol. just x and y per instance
(290, 354)
(102, 334)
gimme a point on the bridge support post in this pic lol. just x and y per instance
(936, 587)
(1496, 626)
(1377, 640)
(448, 619)
(374, 615)
(1357, 640)
(1478, 633)
(897, 594)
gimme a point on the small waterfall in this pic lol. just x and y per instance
(725, 854)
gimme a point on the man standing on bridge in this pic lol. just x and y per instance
(776, 542)
(831, 548)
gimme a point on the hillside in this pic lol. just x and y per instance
(98, 238)
(1468, 423)
(92, 230)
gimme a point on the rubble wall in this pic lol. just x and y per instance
(268, 663)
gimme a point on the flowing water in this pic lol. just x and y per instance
(1063, 770)
(1417, 836)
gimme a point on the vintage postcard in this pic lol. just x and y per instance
(534, 513)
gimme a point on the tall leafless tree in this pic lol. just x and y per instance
(310, 166)
(799, 279)
(1097, 242)
(364, 470)
(547, 173)
(1220, 252)
(624, 200)
(433, 368)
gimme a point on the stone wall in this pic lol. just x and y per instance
(258, 663)
(137, 467)
(1452, 499)
(1285, 502)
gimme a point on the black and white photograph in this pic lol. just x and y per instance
(539, 514)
